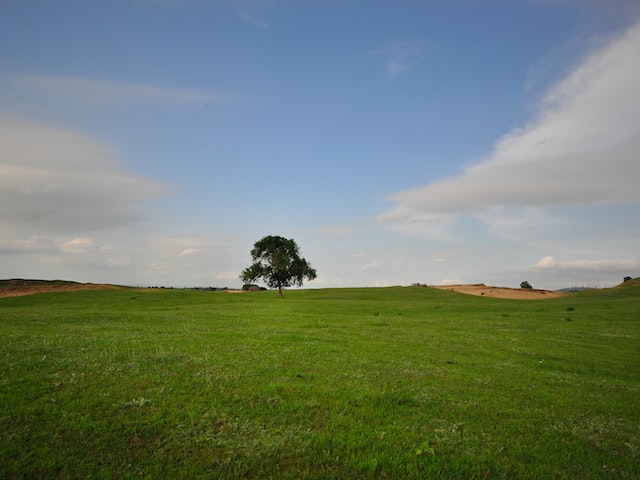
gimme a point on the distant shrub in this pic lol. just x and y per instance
(526, 285)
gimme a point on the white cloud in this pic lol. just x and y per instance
(371, 265)
(546, 262)
(187, 246)
(189, 251)
(599, 265)
(430, 225)
(54, 180)
(78, 245)
(582, 149)
(591, 272)
(110, 92)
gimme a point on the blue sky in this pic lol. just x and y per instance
(153, 142)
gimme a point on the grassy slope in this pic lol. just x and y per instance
(357, 383)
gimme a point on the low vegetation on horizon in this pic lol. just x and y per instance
(401, 382)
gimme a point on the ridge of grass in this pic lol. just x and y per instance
(402, 382)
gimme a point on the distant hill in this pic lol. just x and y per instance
(633, 283)
(20, 286)
(575, 289)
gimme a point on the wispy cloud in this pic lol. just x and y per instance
(375, 264)
(253, 12)
(79, 245)
(581, 150)
(400, 55)
(189, 251)
(109, 92)
(188, 246)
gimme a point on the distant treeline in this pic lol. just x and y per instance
(203, 289)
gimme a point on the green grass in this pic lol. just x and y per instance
(355, 383)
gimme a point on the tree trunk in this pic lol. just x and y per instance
(280, 290)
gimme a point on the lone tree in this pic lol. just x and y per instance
(277, 261)
(526, 285)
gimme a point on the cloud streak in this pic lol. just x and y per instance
(54, 180)
(111, 92)
(581, 150)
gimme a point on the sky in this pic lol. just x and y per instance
(153, 142)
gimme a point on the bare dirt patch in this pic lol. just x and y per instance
(18, 287)
(480, 289)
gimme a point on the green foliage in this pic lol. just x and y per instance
(408, 383)
(526, 285)
(277, 261)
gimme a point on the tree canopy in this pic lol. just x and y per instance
(277, 261)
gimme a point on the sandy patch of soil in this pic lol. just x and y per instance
(16, 288)
(481, 289)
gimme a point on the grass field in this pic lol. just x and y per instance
(394, 383)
